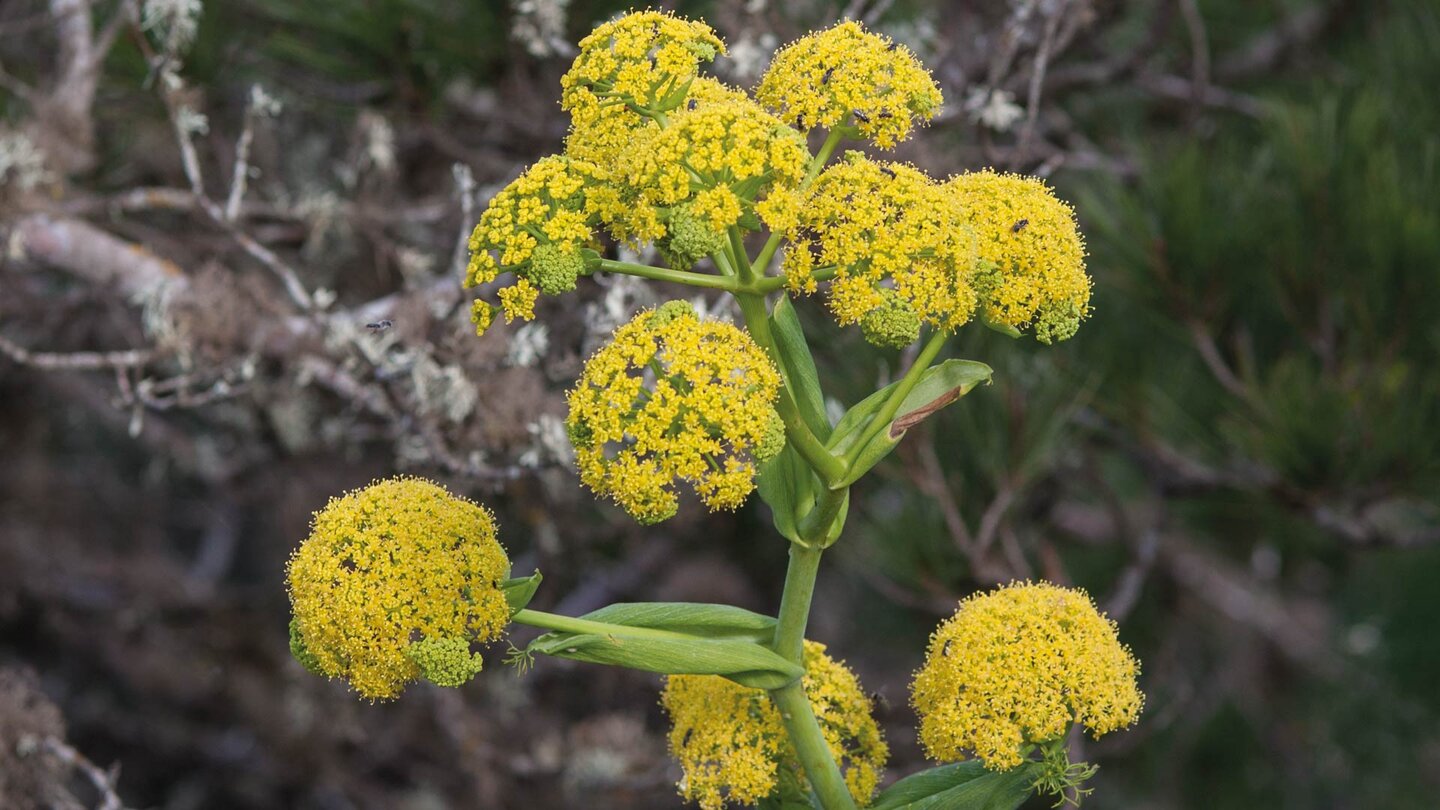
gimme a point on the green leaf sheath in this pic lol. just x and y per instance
(520, 590)
(671, 638)
(862, 438)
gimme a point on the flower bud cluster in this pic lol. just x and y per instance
(1018, 667)
(899, 245)
(1030, 238)
(846, 74)
(673, 397)
(393, 584)
(538, 228)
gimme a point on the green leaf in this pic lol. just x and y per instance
(520, 590)
(707, 640)
(799, 367)
(939, 386)
(787, 486)
(691, 618)
(961, 786)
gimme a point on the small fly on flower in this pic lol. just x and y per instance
(860, 116)
(825, 77)
(1019, 226)
(379, 326)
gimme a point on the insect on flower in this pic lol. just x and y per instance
(379, 326)
(860, 116)
(1019, 225)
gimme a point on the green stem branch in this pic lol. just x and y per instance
(667, 274)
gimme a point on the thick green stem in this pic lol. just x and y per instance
(795, 710)
(897, 397)
(804, 730)
(667, 274)
(817, 523)
(568, 624)
(795, 602)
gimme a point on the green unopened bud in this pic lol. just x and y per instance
(445, 661)
(894, 324)
(554, 269)
(773, 441)
(1059, 321)
(580, 434)
(302, 653)
(670, 311)
(688, 239)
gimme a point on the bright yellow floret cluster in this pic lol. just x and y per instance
(846, 73)
(1018, 666)
(674, 397)
(732, 745)
(715, 162)
(1032, 239)
(628, 71)
(897, 243)
(393, 583)
(538, 228)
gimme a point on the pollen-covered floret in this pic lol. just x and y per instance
(1031, 237)
(846, 73)
(627, 71)
(732, 745)
(672, 397)
(393, 582)
(719, 159)
(538, 228)
(1019, 666)
(892, 237)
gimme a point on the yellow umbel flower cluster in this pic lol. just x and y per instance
(847, 74)
(629, 71)
(537, 227)
(674, 397)
(1017, 667)
(715, 161)
(394, 583)
(732, 746)
(897, 241)
(1032, 239)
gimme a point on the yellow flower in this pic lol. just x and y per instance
(674, 397)
(539, 226)
(846, 73)
(1017, 667)
(896, 242)
(721, 158)
(518, 301)
(393, 583)
(627, 71)
(1032, 239)
(607, 136)
(732, 745)
(482, 314)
